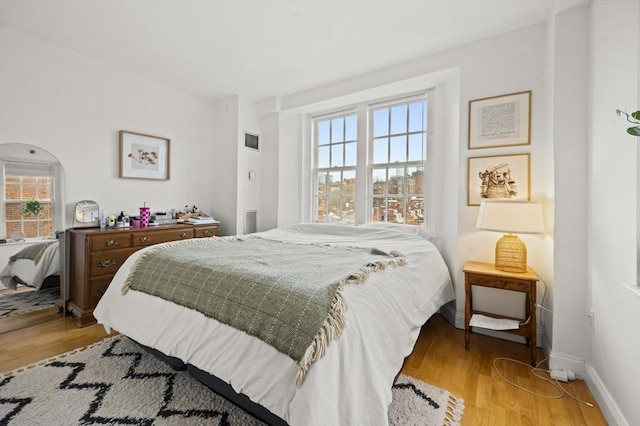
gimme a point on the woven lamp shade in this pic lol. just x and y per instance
(511, 217)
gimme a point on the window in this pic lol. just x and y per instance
(393, 160)
(398, 139)
(335, 169)
(25, 182)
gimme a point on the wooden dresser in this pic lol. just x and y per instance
(96, 254)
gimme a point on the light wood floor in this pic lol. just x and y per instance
(438, 358)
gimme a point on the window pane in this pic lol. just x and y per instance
(28, 191)
(322, 183)
(334, 182)
(350, 154)
(417, 147)
(348, 209)
(337, 159)
(323, 132)
(349, 182)
(398, 149)
(415, 211)
(396, 181)
(395, 210)
(380, 151)
(12, 192)
(415, 180)
(323, 156)
(399, 119)
(351, 128)
(337, 130)
(381, 122)
(335, 205)
(322, 208)
(378, 213)
(379, 181)
(417, 117)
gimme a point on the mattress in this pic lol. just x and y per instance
(352, 383)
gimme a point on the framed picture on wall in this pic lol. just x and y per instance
(144, 156)
(504, 177)
(500, 121)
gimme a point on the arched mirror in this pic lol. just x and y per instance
(33, 208)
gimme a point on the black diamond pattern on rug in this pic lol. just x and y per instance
(115, 382)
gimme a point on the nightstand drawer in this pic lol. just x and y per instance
(97, 287)
(498, 282)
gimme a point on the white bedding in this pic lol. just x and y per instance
(351, 384)
(30, 273)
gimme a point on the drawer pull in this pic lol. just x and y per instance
(110, 243)
(107, 263)
(184, 235)
(144, 239)
(205, 232)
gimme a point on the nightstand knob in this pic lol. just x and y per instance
(110, 243)
(144, 239)
(184, 235)
(206, 232)
(106, 263)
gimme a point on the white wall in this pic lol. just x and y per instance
(505, 64)
(74, 107)
(614, 362)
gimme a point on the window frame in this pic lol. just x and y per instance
(25, 169)
(364, 163)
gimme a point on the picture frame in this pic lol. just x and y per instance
(504, 177)
(503, 120)
(144, 156)
(252, 141)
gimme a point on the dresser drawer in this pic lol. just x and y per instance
(97, 287)
(498, 282)
(143, 239)
(107, 262)
(109, 242)
(205, 231)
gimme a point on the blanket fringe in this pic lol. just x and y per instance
(332, 327)
(330, 330)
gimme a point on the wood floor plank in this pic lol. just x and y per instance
(438, 358)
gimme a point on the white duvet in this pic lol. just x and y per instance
(351, 384)
(31, 273)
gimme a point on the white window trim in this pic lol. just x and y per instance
(363, 215)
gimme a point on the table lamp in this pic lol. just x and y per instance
(512, 217)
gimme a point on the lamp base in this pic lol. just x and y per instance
(511, 254)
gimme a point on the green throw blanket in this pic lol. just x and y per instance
(33, 252)
(288, 295)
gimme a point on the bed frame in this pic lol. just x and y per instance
(219, 386)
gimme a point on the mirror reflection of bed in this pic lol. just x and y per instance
(30, 264)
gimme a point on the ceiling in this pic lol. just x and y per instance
(264, 48)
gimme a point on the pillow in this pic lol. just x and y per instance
(407, 229)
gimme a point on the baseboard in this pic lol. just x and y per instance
(605, 401)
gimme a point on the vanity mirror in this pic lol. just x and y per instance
(86, 214)
(30, 269)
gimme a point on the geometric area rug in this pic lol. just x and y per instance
(117, 382)
(28, 301)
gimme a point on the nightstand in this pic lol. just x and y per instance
(486, 275)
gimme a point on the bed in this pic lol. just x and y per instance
(351, 383)
(37, 266)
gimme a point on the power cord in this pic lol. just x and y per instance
(541, 374)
